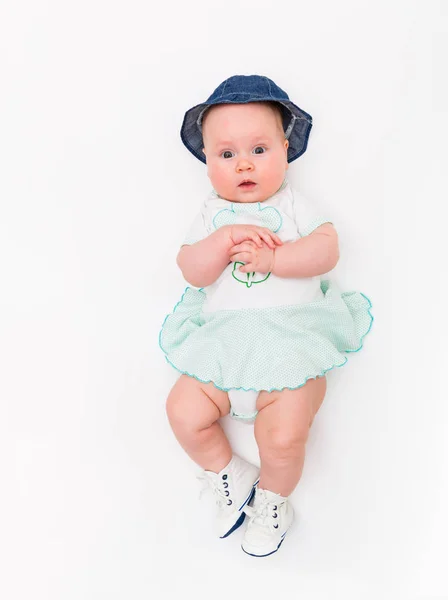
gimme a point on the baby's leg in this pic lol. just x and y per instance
(193, 409)
(281, 431)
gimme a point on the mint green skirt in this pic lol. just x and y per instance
(265, 348)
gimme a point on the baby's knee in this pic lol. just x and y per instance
(282, 441)
(179, 407)
(189, 406)
(175, 407)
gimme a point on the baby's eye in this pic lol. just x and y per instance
(226, 154)
(263, 150)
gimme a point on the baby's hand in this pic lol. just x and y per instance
(258, 235)
(259, 260)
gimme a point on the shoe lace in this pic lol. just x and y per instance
(264, 513)
(221, 495)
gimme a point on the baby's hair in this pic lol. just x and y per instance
(274, 106)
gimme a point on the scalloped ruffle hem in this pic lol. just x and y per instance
(265, 348)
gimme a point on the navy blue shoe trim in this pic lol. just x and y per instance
(251, 495)
(237, 524)
(262, 555)
(242, 515)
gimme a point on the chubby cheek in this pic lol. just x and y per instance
(278, 166)
(219, 175)
(276, 173)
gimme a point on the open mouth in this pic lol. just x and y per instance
(247, 184)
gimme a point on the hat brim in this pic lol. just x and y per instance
(297, 127)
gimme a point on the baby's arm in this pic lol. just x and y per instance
(203, 262)
(313, 254)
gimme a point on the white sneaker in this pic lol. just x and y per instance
(233, 487)
(270, 517)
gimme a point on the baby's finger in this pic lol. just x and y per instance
(253, 235)
(241, 257)
(244, 246)
(247, 268)
(268, 239)
(275, 238)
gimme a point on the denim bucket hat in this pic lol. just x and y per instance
(241, 89)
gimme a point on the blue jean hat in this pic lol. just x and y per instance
(241, 89)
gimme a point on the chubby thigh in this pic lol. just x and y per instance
(289, 413)
(281, 431)
(198, 405)
(194, 404)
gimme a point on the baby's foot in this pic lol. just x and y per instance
(233, 488)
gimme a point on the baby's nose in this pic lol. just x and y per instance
(244, 165)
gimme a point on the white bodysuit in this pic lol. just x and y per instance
(248, 332)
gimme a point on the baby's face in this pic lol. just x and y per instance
(245, 141)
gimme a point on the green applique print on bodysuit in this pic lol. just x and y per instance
(249, 278)
(270, 218)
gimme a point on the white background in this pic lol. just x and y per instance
(97, 499)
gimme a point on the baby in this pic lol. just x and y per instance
(259, 329)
